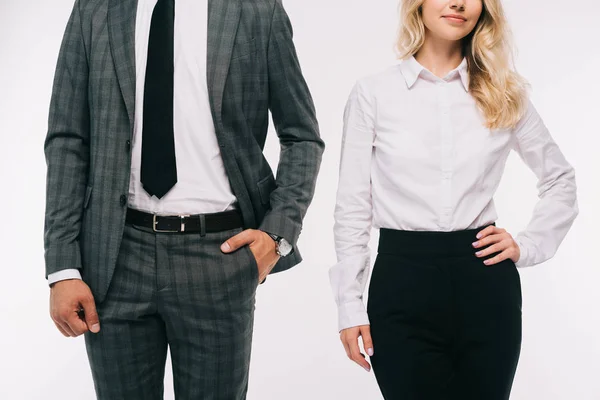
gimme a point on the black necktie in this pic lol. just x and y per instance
(159, 170)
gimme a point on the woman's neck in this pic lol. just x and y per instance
(438, 55)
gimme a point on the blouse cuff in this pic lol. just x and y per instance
(351, 314)
(524, 250)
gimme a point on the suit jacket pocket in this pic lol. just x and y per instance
(265, 187)
(243, 49)
(88, 194)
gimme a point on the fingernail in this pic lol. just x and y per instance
(479, 236)
(95, 328)
(370, 352)
(478, 253)
(225, 246)
(367, 369)
(486, 262)
(475, 244)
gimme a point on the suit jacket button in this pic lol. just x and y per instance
(123, 199)
(128, 145)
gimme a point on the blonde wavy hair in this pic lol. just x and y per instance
(499, 91)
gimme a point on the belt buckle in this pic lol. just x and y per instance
(154, 222)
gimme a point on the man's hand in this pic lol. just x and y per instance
(67, 298)
(261, 245)
(500, 240)
(349, 338)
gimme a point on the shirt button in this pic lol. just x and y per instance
(123, 200)
(128, 145)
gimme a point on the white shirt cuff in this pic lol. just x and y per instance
(522, 262)
(351, 314)
(71, 273)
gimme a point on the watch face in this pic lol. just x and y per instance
(285, 247)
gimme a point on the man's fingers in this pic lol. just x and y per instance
(76, 324)
(91, 315)
(72, 307)
(365, 332)
(62, 330)
(237, 241)
(71, 322)
(65, 327)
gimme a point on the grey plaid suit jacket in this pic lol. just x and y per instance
(252, 68)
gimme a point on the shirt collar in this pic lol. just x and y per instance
(411, 70)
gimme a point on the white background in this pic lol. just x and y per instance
(296, 350)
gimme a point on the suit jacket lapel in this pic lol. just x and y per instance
(121, 28)
(223, 21)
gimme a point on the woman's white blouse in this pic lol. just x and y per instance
(417, 156)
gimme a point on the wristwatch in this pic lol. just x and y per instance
(284, 248)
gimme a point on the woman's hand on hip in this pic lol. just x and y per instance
(500, 241)
(349, 338)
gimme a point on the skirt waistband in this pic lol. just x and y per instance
(429, 243)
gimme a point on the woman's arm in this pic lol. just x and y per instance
(557, 206)
(353, 211)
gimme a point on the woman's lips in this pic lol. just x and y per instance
(454, 19)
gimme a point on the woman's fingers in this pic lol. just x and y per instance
(489, 240)
(488, 230)
(496, 259)
(344, 338)
(365, 332)
(494, 248)
(349, 339)
(496, 240)
(346, 347)
(357, 356)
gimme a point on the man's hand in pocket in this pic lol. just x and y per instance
(261, 245)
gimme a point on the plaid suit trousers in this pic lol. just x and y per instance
(176, 291)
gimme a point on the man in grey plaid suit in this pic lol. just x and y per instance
(162, 242)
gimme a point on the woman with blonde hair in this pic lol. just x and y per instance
(424, 147)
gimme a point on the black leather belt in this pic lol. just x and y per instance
(203, 223)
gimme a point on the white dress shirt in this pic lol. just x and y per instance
(202, 184)
(417, 156)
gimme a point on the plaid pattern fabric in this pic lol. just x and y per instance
(252, 68)
(178, 290)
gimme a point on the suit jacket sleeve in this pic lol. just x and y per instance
(295, 121)
(66, 149)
